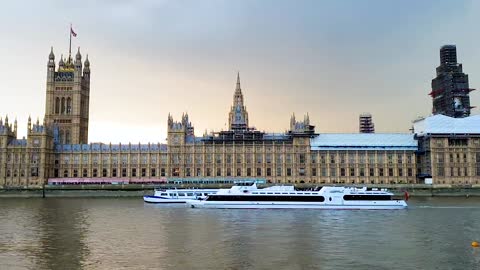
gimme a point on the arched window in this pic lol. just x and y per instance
(57, 105)
(61, 136)
(63, 106)
(69, 105)
(67, 137)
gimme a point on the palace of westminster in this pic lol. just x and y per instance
(443, 148)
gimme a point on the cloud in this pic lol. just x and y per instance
(148, 58)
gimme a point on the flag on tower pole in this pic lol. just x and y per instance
(72, 32)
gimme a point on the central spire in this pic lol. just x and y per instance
(238, 89)
(238, 96)
(238, 116)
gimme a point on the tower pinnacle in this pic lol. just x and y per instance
(238, 116)
(238, 88)
(78, 56)
(51, 56)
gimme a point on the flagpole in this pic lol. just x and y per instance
(70, 47)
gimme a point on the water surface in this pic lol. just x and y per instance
(125, 233)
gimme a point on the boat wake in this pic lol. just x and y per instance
(444, 207)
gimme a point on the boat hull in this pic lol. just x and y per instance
(156, 199)
(393, 205)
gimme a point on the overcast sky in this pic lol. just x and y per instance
(332, 59)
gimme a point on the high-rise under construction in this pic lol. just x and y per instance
(366, 124)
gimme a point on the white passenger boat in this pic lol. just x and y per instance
(178, 195)
(247, 195)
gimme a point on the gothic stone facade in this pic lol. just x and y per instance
(58, 148)
(67, 101)
(25, 162)
(449, 149)
(451, 159)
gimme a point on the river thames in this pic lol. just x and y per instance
(125, 233)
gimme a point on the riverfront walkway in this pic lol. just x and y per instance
(134, 190)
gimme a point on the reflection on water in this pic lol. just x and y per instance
(128, 234)
(45, 234)
(61, 226)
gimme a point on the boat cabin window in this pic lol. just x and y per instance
(262, 192)
(269, 192)
(198, 194)
(181, 194)
(277, 193)
(171, 194)
(367, 197)
(307, 193)
(190, 194)
(255, 192)
(164, 194)
(293, 193)
(245, 184)
(270, 198)
(284, 192)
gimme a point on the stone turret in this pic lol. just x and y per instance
(179, 131)
(301, 128)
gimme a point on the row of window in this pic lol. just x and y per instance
(21, 173)
(263, 198)
(63, 88)
(104, 173)
(189, 159)
(65, 136)
(34, 158)
(23, 183)
(285, 147)
(456, 171)
(297, 198)
(456, 158)
(239, 158)
(63, 105)
(457, 142)
(375, 172)
(209, 172)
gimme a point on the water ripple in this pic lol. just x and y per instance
(434, 233)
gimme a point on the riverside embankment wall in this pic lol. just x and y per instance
(140, 190)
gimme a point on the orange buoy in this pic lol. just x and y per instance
(475, 244)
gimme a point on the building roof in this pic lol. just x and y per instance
(364, 141)
(100, 147)
(17, 142)
(276, 136)
(441, 124)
